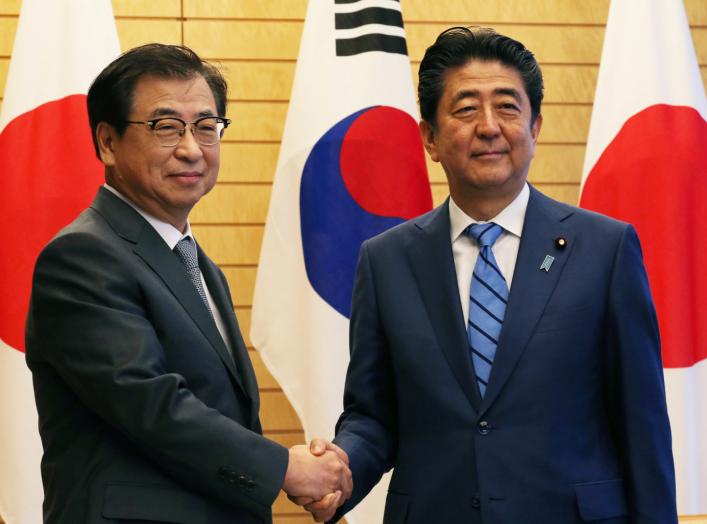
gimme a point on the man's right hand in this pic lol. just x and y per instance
(314, 477)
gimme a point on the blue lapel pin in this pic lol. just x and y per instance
(547, 263)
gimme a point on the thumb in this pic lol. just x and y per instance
(317, 447)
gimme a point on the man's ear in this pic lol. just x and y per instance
(535, 128)
(106, 138)
(427, 133)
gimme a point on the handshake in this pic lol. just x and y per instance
(318, 477)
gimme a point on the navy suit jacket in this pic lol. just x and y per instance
(143, 413)
(573, 426)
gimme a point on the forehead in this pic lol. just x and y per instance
(482, 76)
(154, 94)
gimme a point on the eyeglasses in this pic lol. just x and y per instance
(207, 130)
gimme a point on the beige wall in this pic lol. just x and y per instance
(257, 42)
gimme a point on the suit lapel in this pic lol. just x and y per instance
(217, 288)
(531, 287)
(149, 246)
(433, 266)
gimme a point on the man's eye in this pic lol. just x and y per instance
(166, 127)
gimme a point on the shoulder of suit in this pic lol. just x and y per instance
(580, 216)
(87, 233)
(405, 230)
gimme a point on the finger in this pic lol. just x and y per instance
(325, 513)
(300, 501)
(346, 484)
(339, 452)
(318, 446)
(328, 502)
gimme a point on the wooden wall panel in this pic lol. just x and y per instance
(271, 9)
(243, 314)
(229, 203)
(276, 413)
(258, 80)
(233, 39)
(10, 7)
(241, 280)
(8, 26)
(232, 244)
(4, 66)
(256, 45)
(248, 162)
(508, 11)
(135, 32)
(153, 8)
(257, 121)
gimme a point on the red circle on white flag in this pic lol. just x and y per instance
(654, 175)
(50, 173)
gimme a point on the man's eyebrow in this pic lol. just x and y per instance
(474, 93)
(465, 93)
(167, 112)
(163, 111)
(508, 91)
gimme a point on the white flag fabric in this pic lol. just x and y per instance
(50, 173)
(646, 163)
(351, 165)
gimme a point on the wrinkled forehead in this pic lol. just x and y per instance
(171, 96)
(484, 76)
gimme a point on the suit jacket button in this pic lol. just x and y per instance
(484, 427)
(250, 484)
(242, 481)
(476, 502)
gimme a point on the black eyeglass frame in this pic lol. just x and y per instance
(192, 125)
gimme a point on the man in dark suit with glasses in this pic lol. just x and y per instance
(147, 400)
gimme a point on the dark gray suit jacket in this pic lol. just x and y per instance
(143, 413)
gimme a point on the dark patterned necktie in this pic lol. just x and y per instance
(186, 250)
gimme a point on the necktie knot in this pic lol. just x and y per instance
(186, 249)
(485, 234)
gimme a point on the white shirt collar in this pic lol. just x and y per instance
(170, 234)
(511, 218)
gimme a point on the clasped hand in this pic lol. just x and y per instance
(318, 477)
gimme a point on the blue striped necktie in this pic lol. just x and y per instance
(487, 302)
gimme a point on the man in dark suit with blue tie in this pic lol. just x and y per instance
(505, 356)
(147, 400)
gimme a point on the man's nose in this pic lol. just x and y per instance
(488, 123)
(187, 147)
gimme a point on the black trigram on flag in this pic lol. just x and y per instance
(371, 40)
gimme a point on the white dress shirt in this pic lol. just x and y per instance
(171, 235)
(505, 249)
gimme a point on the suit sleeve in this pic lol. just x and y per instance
(88, 322)
(367, 428)
(636, 390)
